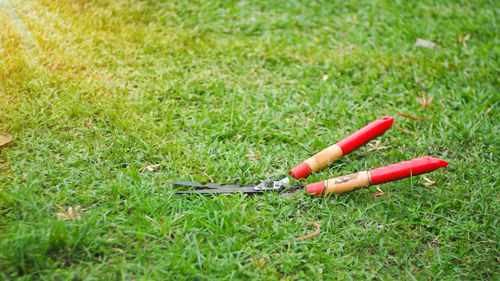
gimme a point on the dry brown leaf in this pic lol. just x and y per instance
(57, 62)
(379, 193)
(150, 168)
(259, 262)
(424, 43)
(251, 154)
(69, 214)
(376, 146)
(4, 140)
(96, 77)
(425, 101)
(316, 232)
(428, 182)
(118, 250)
(463, 40)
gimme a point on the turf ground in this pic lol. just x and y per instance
(238, 91)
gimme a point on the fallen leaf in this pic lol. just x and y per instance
(150, 168)
(316, 232)
(424, 43)
(435, 240)
(251, 154)
(260, 263)
(4, 140)
(95, 77)
(425, 101)
(463, 40)
(428, 182)
(376, 146)
(57, 62)
(118, 250)
(379, 193)
(69, 214)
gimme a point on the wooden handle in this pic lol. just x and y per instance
(324, 157)
(317, 162)
(340, 184)
(343, 147)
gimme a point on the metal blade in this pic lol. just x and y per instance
(216, 188)
(246, 190)
(205, 185)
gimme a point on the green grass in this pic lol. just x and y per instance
(106, 87)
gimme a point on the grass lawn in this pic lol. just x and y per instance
(240, 91)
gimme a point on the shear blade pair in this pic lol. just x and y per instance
(212, 188)
(216, 188)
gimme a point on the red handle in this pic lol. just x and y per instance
(392, 172)
(365, 134)
(343, 147)
(406, 169)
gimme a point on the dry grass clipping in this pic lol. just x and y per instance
(316, 232)
(407, 116)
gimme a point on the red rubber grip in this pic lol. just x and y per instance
(316, 188)
(406, 169)
(365, 134)
(301, 171)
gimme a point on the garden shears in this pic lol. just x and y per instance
(326, 157)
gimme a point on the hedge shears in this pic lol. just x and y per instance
(324, 158)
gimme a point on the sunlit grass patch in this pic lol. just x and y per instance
(239, 92)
